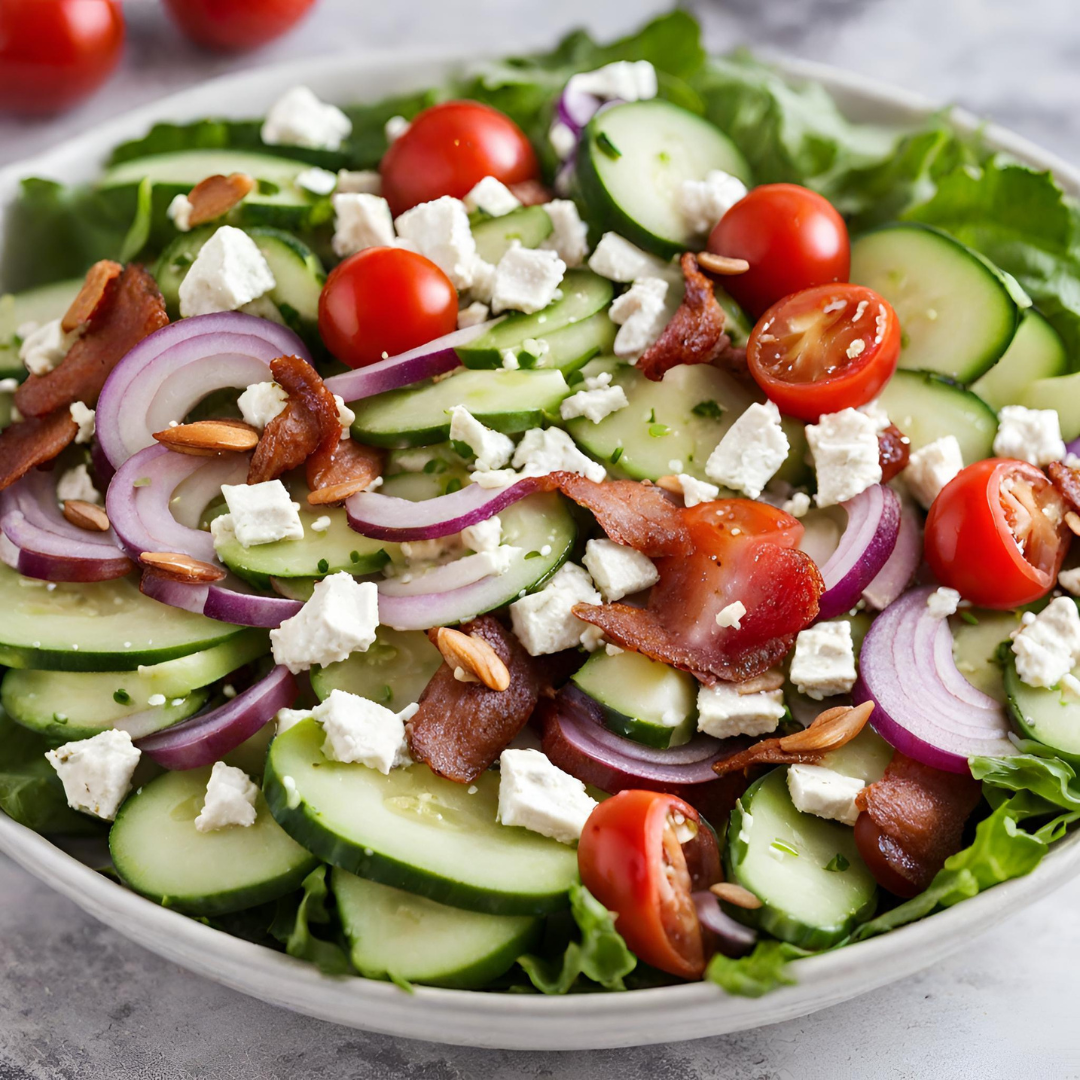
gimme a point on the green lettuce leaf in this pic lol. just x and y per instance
(294, 919)
(757, 973)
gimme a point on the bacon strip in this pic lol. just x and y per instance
(919, 814)
(33, 442)
(695, 334)
(1067, 482)
(894, 452)
(351, 467)
(462, 727)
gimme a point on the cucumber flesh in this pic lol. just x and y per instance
(1061, 393)
(737, 324)
(393, 934)
(158, 852)
(926, 407)
(414, 830)
(975, 648)
(866, 757)
(40, 305)
(1044, 715)
(640, 698)
(780, 855)
(530, 226)
(1036, 352)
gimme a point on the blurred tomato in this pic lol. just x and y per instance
(55, 52)
(236, 24)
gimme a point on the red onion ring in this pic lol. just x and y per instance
(923, 706)
(895, 576)
(731, 937)
(230, 600)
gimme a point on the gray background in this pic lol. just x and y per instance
(77, 1000)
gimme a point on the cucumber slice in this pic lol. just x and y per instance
(640, 698)
(395, 935)
(738, 324)
(867, 757)
(1044, 715)
(175, 677)
(530, 226)
(583, 294)
(158, 852)
(975, 647)
(393, 672)
(508, 401)
(1061, 393)
(632, 162)
(925, 407)
(1036, 352)
(956, 310)
(40, 305)
(414, 830)
(102, 626)
(781, 856)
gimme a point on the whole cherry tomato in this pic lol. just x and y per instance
(827, 348)
(449, 148)
(791, 237)
(230, 25)
(55, 52)
(384, 301)
(996, 533)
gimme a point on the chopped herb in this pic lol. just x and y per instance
(387, 694)
(121, 697)
(267, 187)
(711, 409)
(663, 157)
(575, 377)
(837, 864)
(143, 481)
(182, 260)
(616, 454)
(787, 849)
(435, 465)
(658, 431)
(652, 416)
(452, 485)
(354, 556)
(607, 147)
(59, 718)
(970, 618)
(323, 566)
(533, 555)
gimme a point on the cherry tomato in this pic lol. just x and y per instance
(827, 348)
(996, 533)
(791, 237)
(631, 860)
(449, 148)
(236, 24)
(55, 52)
(384, 301)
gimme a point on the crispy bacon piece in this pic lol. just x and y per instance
(695, 334)
(217, 195)
(915, 818)
(351, 467)
(33, 442)
(95, 293)
(894, 452)
(134, 310)
(462, 727)
(1067, 482)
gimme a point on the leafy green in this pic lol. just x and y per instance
(138, 233)
(762, 970)
(293, 921)
(600, 955)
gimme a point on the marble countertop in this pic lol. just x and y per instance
(79, 1001)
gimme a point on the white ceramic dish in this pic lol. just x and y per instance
(493, 1020)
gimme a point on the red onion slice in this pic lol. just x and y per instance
(924, 707)
(895, 576)
(174, 593)
(731, 937)
(209, 737)
(230, 600)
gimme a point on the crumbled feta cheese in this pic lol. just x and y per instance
(641, 315)
(228, 272)
(492, 449)
(261, 402)
(599, 399)
(824, 660)
(289, 718)
(563, 140)
(483, 280)
(548, 450)
(731, 615)
(724, 712)
(1048, 647)
(361, 221)
(798, 505)
(536, 795)
(931, 467)
(696, 491)
(76, 484)
(874, 409)
(360, 731)
(84, 417)
(569, 234)
(484, 535)
(618, 260)
(751, 451)
(317, 181)
(495, 478)
(424, 554)
(261, 513)
(96, 773)
(155, 701)
(943, 602)
(1032, 435)
(363, 181)
(846, 455)
(1069, 580)
(491, 196)
(703, 203)
(395, 127)
(618, 570)
(9, 385)
(526, 279)
(440, 231)
(345, 417)
(627, 80)
(44, 347)
(473, 315)
(340, 618)
(230, 800)
(824, 792)
(179, 212)
(544, 622)
(299, 118)
(321, 524)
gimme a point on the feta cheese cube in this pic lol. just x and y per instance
(563, 140)
(299, 118)
(289, 718)
(345, 417)
(84, 417)
(1032, 435)
(362, 181)
(724, 712)
(703, 203)
(599, 399)
(180, 211)
(228, 272)
(627, 80)
(824, 792)
(395, 127)
(45, 346)
(340, 618)
(569, 234)
(261, 402)
(262, 513)
(1069, 580)
(317, 181)
(943, 602)
(484, 535)
(696, 491)
(492, 449)
(473, 315)
(641, 315)
(440, 231)
(526, 279)
(361, 221)
(846, 455)
(230, 800)
(548, 450)
(359, 731)
(798, 505)
(1048, 647)
(618, 260)
(931, 467)
(874, 409)
(731, 615)
(536, 795)
(76, 484)
(544, 621)
(751, 451)
(96, 773)
(424, 554)
(824, 660)
(491, 196)
(618, 570)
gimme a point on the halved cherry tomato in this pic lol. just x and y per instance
(384, 301)
(996, 533)
(824, 349)
(450, 148)
(791, 237)
(631, 859)
(236, 24)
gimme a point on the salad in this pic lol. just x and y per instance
(600, 523)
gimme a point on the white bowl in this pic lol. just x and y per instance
(506, 1021)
